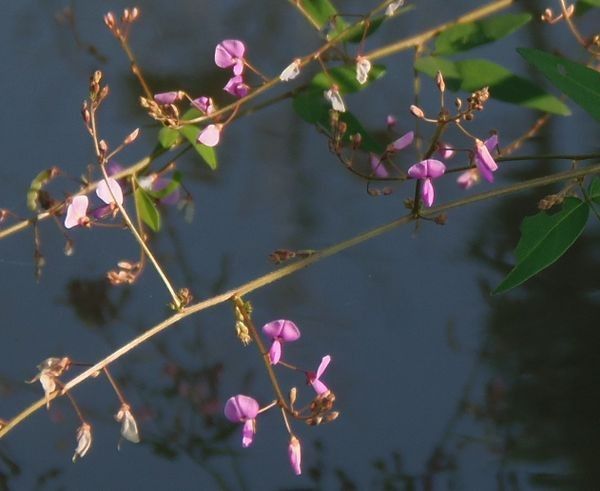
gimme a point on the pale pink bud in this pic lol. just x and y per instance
(295, 455)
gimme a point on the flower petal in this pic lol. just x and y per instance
(102, 191)
(290, 72)
(363, 67)
(275, 352)
(295, 455)
(428, 193)
(377, 166)
(435, 168)
(483, 155)
(84, 441)
(320, 387)
(248, 432)
(76, 211)
(323, 366)
(210, 135)
(402, 142)
(418, 171)
(166, 98)
(241, 408)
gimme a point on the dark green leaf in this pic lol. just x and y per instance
(321, 12)
(147, 209)
(345, 78)
(463, 37)
(312, 107)
(580, 83)
(582, 6)
(545, 238)
(168, 137)
(594, 190)
(471, 75)
(191, 132)
(356, 33)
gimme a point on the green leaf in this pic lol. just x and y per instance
(582, 6)
(580, 83)
(168, 137)
(463, 37)
(345, 78)
(356, 33)
(208, 154)
(594, 190)
(35, 188)
(147, 209)
(471, 75)
(312, 107)
(320, 12)
(545, 238)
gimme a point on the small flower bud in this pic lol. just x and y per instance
(439, 80)
(103, 147)
(441, 219)
(110, 21)
(458, 102)
(293, 395)
(69, 248)
(132, 137)
(134, 14)
(332, 416)
(295, 455)
(356, 141)
(417, 112)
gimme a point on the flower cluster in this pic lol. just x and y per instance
(245, 409)
(109, 191)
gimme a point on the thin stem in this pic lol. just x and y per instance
(419, 39)
(262, 348)
(114, 386)
(291, 269)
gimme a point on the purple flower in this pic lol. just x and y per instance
(166, 98)
(427, 170)
(243, 409)
(280, 331)
(204, 104)
(377, 166)
(210, 135)
(314, 379)
(237, 87)
(295, 454)
(401, 143)
(154, 182)
(484, 161)
(77, 212)
(230, 53)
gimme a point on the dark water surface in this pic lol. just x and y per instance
(440, 386)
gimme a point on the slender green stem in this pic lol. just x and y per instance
(293, 268)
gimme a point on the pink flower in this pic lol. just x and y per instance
(230, 53)
(314, 379)
(377, 166)
(484, 161)
(102, 191)
(237, 87)
(77, 212)
(204, 104)
(445, 150)
(210, 135)
(243, 409)
(401, 143)
(427, 170)
(295, 454)
(468, 178)
(391, 121)
(280, 331)
(166, 98)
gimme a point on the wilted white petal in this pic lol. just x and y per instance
(363, 67)
(291, 71)
(49, 386)
(129, 429)
(393, 7)
(84, 441)
(334, 97)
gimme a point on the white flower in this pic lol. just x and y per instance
(84, 441)
(129, 429)
(393, 7)
(363, 67)
(49, 370)
(291, 71)
(334, 97)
